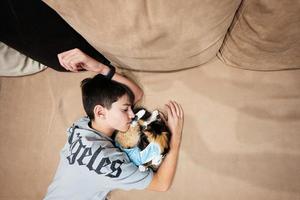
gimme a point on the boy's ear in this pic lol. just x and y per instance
(99, 111)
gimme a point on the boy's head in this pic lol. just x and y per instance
(100, 91)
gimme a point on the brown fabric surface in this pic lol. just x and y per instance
(265, 35)
(151, 35)
(241, 136)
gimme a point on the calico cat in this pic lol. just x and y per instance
(147, 140)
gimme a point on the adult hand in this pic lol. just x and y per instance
(75, 60)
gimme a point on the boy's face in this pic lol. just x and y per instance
(119, 116)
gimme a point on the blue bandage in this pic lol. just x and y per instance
(138, 157)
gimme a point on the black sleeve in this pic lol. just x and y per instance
(36, 30)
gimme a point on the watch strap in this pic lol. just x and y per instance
(111, 72)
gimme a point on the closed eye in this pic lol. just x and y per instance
(125, 109)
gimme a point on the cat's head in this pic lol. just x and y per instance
(153, 129)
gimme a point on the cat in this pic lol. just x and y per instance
(147, 140)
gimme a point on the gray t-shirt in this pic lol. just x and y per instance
(91, 166)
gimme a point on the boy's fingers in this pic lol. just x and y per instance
(172, 108)
(162, 116)
(176, 106)
(180, 111)
(169, 112)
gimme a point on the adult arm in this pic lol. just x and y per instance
(163, 178)
(75, 60)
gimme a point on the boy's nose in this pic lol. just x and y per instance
(131, 114)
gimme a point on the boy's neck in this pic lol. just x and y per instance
(102, 128)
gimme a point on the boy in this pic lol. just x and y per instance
(90, 165)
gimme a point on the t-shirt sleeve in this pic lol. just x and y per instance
(126, 175)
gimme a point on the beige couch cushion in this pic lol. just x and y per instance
(13, 63)
(265, 35)
(151, 35)
(241, 135)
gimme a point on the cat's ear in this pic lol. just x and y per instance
(140, 114)
(137, 117)
(152, 118)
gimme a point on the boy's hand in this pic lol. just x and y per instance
(175, 122)
(163, 178)
(75, 60)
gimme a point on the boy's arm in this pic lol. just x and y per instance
(137, 91)
(74, 60)
(163, 178)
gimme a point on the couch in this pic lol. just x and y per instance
(232, 64)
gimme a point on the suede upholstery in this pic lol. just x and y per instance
(241, 135)
(151, 35)
(265, 35)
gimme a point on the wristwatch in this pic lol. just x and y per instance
(111, 72)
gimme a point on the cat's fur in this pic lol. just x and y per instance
(143, 130)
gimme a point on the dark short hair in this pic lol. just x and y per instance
(102, 91)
